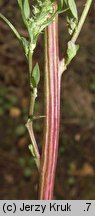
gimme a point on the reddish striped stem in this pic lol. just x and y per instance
(52, 112)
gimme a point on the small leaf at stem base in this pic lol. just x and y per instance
(35, 76)
(71, 51)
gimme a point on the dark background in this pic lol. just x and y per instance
(75, 177)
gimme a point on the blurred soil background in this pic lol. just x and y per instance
(75, 177)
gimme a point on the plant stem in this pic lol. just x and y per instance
(81, 21)
(52, 113)
(29, 124)
(33, 91)
(30, 66)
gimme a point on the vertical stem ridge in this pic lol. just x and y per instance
(52, 112)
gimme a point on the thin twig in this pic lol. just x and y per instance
(33, 147)
(81, 21)
(33, 94)
(62, 66)
(2, 17)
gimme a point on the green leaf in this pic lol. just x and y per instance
(31, 148)
(26, 9)
(25, 44)
(11, 27)
(73, 8)
(65, 3)
(71, 51)
(60, 6)
(20, 4)
(61, 3)
(22, 13)
(72, 23)
(35, 76)
(71, 14)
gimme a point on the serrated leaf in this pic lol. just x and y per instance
(35, 76)
(26, 9)
(71, 51)
(73, 8)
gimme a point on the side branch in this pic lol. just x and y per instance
(33, 147)
(33, 94)
(62, 65)
(81, 21)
